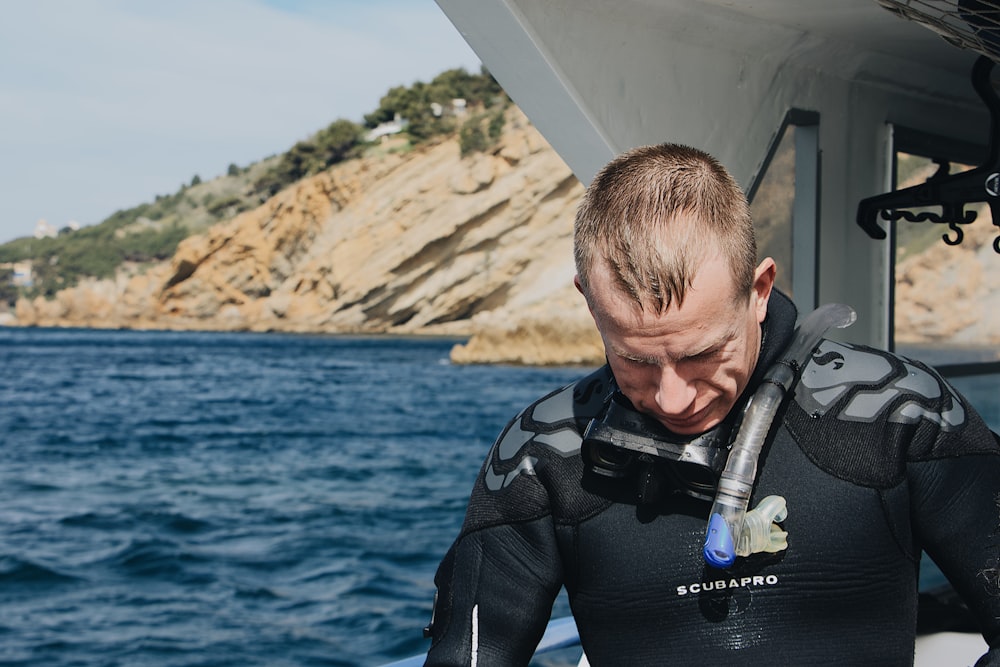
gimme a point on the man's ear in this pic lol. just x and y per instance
(579, 288)
(763, 283)
(590, 308)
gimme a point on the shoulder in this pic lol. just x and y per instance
(863, 413)
(534, 466)
(555, 421)
(863, 384)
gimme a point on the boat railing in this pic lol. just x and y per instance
(561, 633)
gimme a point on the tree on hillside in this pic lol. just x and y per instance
(338, 141)
(335, 143)
(457, 83)
(8, 291)
(414, 103)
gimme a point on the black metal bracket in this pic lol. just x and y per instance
(951, 192)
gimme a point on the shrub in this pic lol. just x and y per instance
(226, 207)
(472, 138)
(8, 291)
(334, 144)
(496, 124)
(414, 103)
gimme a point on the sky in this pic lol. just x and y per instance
(105, 104)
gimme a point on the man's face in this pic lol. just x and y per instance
(686, 367)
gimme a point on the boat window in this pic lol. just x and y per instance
(784, 205)
(942, 289)
(772, 209)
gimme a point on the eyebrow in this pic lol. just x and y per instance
(711, 348)
(638, 358)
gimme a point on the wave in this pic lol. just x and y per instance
(14, 571)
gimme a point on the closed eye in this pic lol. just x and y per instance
(636, 361)
(707, 354)
(711, 354)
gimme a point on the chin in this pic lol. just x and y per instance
(696, 430)
(694, 427)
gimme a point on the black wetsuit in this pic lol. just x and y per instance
(878, 459)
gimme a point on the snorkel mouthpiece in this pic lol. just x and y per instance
(732, 531)
(760, 532)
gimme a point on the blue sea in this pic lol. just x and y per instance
(207, 499)
(175, 499)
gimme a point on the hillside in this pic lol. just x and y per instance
(418, 242)
(430, 242)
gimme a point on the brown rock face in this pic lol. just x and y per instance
(556, 331)
(417, 243)
(951, 293)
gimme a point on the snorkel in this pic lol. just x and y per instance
(732, 530)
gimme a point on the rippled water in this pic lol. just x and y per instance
(233, 499)
(190, 499)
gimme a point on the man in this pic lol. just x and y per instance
(605, 486)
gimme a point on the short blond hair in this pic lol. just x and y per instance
(653, 214)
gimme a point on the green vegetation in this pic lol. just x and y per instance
(150, 232)
(8, 292)
(417, 103)
(473, 137)
(424, 107)
(93, 251)
(339, 141)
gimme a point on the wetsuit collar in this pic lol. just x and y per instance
(776, 333)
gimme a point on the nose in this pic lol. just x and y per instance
(675, 393)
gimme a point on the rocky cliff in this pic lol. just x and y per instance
(423, 242)
(427, 242)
